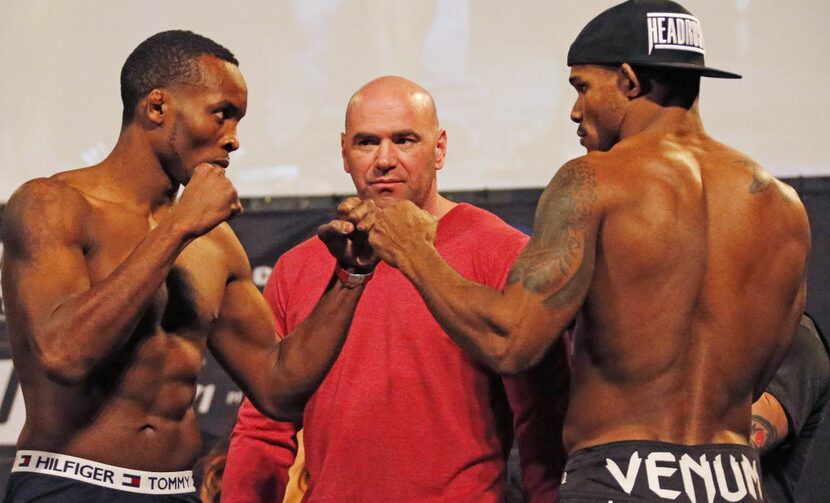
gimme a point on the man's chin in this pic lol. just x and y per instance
(597, 148)
(590, 146)
(385, 199)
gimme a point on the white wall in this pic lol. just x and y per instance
(496, 68)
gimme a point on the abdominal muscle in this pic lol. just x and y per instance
(142, 441)
(141, 418)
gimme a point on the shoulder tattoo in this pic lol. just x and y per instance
(760, 180)
(555, 254)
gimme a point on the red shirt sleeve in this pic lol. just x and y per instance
(260, 453)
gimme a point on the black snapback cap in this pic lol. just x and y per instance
(657, 33)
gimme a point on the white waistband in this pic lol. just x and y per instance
(100, 474)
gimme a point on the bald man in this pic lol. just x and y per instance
(404, 414)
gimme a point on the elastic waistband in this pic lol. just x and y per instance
(100, 474)
(599, 452)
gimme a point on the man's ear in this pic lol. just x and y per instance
(440, 149)
(628, 81)
(346, 166)
(153, 107)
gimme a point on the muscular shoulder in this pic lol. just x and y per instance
(41, 211)
(748, 173)
(769, 193)
(788, 202)
(233, 254)
(573, 195)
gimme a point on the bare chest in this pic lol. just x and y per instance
(189, 295)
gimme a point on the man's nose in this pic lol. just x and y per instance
(576, 113)
(230, 142)
(387, 155)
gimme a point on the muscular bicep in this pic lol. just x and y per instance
(555, 270)
(243, 337)
(43, 262)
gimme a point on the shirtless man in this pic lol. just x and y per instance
(113, 292)
(681, 261)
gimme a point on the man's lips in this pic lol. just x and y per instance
(381, 184)
(582, 136)
(222, 163)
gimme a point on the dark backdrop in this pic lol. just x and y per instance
(269, 227)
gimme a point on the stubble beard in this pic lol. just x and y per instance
(172, 160)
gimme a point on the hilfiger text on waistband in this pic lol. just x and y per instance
(100, 474)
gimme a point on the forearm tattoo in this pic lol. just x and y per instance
(556, 255)
(764, 434)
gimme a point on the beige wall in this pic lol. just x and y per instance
(496, 68)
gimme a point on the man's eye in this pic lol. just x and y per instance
(405, 140)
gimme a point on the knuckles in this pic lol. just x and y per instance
(348, 205)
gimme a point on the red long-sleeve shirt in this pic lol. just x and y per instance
(404, 414)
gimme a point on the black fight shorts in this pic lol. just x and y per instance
(638, 471)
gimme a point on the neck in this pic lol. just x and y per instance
(644, 115)
(436, 204)
(134, 173)
(439, 206)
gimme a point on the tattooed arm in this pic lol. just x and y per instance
(509, 330)
(796, 395)
(769, 424)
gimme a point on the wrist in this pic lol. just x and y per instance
(413, 263)
(352, 279)
(355, 267)
(176, 230)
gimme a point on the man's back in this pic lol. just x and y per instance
(696, 291)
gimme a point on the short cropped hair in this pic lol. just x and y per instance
(166, 58)
(683, 85)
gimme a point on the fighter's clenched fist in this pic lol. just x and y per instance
(398, 230)
(208, 200)
(347, 235)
